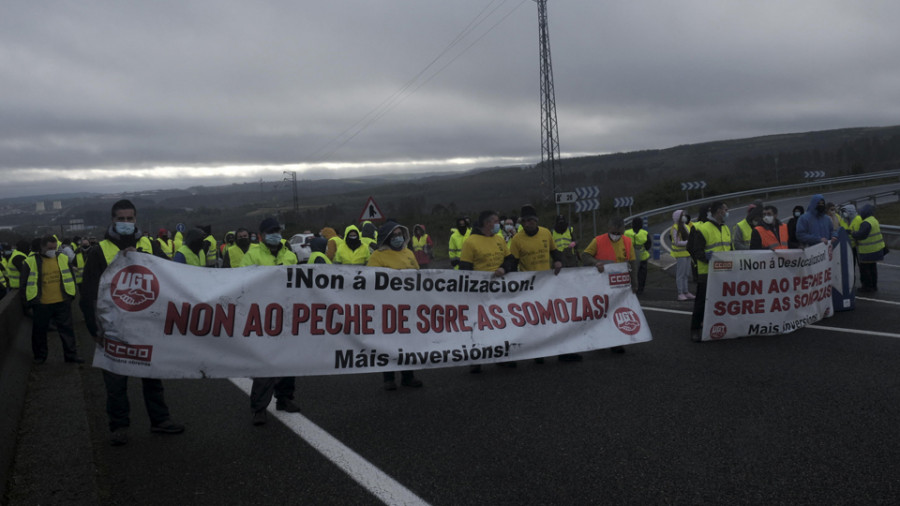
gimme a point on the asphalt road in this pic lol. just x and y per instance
(807, 418)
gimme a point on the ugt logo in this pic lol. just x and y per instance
(134, 288)
(627, 321)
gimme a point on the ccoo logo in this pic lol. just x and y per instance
(134, 288)
(627, 321)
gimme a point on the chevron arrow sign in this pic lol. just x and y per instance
(586, 205)
(587, 192)
(623, 202)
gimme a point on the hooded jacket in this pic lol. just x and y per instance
(385, 256)
(812, 227)
(871, 242)
(352, 256)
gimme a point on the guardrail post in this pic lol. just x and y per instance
(656, 251)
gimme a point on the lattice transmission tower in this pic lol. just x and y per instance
(551, 170)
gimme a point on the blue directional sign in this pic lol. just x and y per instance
(623, 201)
(587, 192)
(180, 227)
(587, 205)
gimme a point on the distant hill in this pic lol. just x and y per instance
(653, 177)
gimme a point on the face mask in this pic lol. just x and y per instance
(50, 253)
(684, 219)
(243, 242)
(397, 242)
(614, 237)
(124, 228)
(769, 219)
(495, 229)
(727, 214)
(273, 239)
(797, 214)
(509, 228)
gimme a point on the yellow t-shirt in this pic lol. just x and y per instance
(484, 253)
(533, 252)
(51, 281)
(403, 259)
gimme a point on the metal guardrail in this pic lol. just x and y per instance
(765, 191)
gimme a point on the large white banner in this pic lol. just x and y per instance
(161, 319)
(753, 293)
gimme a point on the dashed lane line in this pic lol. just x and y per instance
(379, 484)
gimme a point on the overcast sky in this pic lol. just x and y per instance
(122, 96)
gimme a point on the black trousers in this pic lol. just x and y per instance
(405, 375)
(642, 276)
(264, 388)
(699, 305)
(868, 274)
(60, 314)
(118, 408)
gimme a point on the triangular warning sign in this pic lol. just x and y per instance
(371, 212)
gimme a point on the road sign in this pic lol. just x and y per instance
(180, 227)
(693, 185)
(623, 201)
(566, 197)
(371, 211)
(587, 192)
(587, 205)
(813, 174)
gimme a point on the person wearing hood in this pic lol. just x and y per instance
(318, 247)
(793, 243)
(851, 221)
(871, 249)
(192, 251)
(49, 292)
(393, 253)
(353, 251)
(234, 254)
(272, 250)
(814, 226)
(640, 240)
(771, 234)
(678, 238)
(209, 247)
(485, 251)
(122, 235)
(563, 236)
(165, 245)
(369, 235)
(422, 246)
(334, 240)
(457, 238)
(741, 232)
(229, 241)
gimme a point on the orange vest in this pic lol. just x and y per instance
(605, 250)
(769, 241)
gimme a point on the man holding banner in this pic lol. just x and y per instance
(712, 236)
(271, 251)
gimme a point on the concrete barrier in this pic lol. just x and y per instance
(15, 366)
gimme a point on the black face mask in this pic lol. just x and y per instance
(353, 242)
(243, 242)
(195, 246)
(462, 228)
(820, 209)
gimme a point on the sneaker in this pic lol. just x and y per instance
(119, 436)
(690, 296)
(167, 427)
(475, 369)
(260, 417)
(390, 385)
(571, 357)
(288, 406)
(412, 383)
(682, 296)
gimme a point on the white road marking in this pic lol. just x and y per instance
(879, 300)
(382, 486)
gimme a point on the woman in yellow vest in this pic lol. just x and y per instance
(49, 291)
(678, 238)
(871, 249)
(422, 246)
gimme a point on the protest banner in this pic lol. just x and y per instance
(765, 292)
(167, 320)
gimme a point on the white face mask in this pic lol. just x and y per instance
(50, 253)
(684, 219)
(769, 219)
(614, 237)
